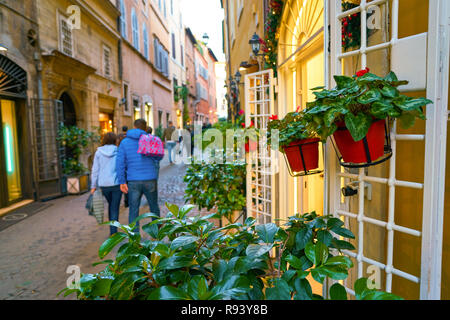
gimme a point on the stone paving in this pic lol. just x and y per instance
(35, 253)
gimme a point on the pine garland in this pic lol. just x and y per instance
(351, 28)
(271, 36)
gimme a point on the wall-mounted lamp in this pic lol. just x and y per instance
(3, 47)
(255, 42)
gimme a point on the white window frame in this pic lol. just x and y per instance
(261, 177)
(435, 149)
(123, 19)
(135, 28)
(62, 18)
(145, 39)
(105, 67)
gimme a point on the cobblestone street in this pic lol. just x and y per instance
(35, 252)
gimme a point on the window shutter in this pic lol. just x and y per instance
(66, 37)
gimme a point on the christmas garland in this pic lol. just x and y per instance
(270, 42)
(351, 27)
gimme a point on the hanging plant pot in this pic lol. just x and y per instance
(302, 157)
(373, 149)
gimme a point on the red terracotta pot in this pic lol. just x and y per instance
(355, 152)
(310, 149)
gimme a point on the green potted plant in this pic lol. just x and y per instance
(75, 140)
(189, 258)
(218, 186)
(356, 111)
(296, 141)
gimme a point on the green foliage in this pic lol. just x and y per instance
(270, 42)
(291, 128)
(159, 131)
(217, 186)
(359, 101)
(188, 258)
(75, 140)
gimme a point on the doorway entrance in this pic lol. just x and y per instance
(10, 176)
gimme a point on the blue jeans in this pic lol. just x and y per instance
(113, 195)
(170, 146)
(136, 189)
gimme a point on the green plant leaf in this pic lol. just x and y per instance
(182, 241)
(303, 237)
(318, 274)
(339, 260)
(101, 287)
(344, 232)
(294, 262)
(303, 290)
(175, 262)
(257, 250)
(360, 287)
(110, 243)
(324, 236)
(151, 230)
(122, 286)
(338, 292)
(167, 293)
(390, 92)
(413, 104)
(407, 120)
(370, 96)
(266, 232)
(316, 253)
(358, 125)
(280, 291)
(343, 81)
(334, 222)
(232, 286)
(341, 244)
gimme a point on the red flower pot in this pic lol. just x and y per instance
(310, 150)
(355, 152)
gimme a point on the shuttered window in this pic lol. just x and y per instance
(66, 39)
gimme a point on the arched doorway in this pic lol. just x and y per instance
(70, 116)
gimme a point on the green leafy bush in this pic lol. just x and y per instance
(359, 101)
(291, 128)
(217, 186)
(75, 140)
(188, 258)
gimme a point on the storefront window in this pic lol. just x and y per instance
(11, 150)
(106, 122)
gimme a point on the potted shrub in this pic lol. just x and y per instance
(356, 112)
(189, 258)
(299, 144)
(218, 186)
(75, 140)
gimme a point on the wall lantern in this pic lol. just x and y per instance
(255, 43)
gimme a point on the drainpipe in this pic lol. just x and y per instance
(230, 113)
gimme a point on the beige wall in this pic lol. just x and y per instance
(81, 76)
(250, 21)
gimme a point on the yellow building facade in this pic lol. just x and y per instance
(242, 20)
(80, 63)
(399, 214)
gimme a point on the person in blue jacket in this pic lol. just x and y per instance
(104, 176)
(137, 174)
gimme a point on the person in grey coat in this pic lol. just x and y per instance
(104, 176)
